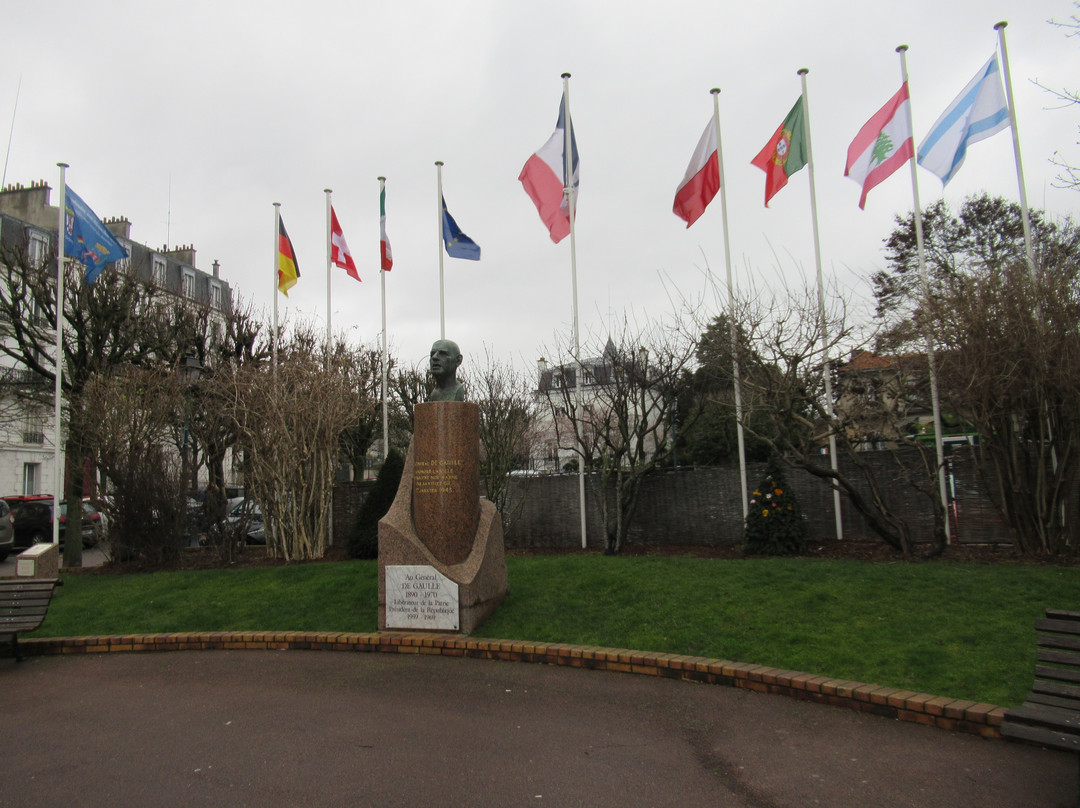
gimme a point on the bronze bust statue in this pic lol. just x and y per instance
(445, 360)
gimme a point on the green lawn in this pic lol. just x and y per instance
(959, 630)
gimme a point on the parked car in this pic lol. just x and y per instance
(32, 517)
(247, 514)
(7, 531)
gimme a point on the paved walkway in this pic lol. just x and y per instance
(299, 728)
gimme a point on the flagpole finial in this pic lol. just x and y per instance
(565, 75)
(901, 48)
(715, 91)
(327, 190)
(1000, 25)
(381, 179)
(63, 165)
(439, 162)
(802, 71)
(277, 204)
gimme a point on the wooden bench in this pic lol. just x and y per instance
(23, 604)
(1051, 714)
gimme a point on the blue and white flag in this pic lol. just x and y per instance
(86, 239)
(978, 112)
(458, 245)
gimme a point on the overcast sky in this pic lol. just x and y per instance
(191, 119)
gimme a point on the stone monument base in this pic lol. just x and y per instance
(481, 578)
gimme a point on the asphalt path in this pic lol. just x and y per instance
(311, 728)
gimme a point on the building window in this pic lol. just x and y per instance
(124, 264)
(189, 284)
(37, 247)
(31, 479)
(159, 272)
(215, 296)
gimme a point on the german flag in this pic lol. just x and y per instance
(288, 271)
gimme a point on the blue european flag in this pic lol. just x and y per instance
(458, 245)
(86, 239)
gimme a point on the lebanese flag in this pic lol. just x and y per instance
(544, 178)
(339, 250)
(702, 178)
(882, 145)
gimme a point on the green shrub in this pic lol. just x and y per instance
(364, 537)
(774, 523)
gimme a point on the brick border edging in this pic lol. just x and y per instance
(888, 702)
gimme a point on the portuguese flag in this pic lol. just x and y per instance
(288, 270)
(785, 153)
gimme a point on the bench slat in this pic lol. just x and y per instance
(1053, 701)
(1063, 641)
(1063, 657)
(1060, 718)
(1063, 626)
(1062, 614)
(1041, 735)
(27, 603)
(1057, 674)
(1057, 689)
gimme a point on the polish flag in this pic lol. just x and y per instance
(882, 145)
(702, 179)
(544, 178)
(339, 250)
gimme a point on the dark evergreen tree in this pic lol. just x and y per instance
(364, 537)
(774, 524)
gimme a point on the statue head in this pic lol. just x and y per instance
(445, 359)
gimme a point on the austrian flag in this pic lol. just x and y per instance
(882, 145)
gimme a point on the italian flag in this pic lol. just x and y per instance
(702, 179)
(785, 153)
(385, 256)
(882, 145)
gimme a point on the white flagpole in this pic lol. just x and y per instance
(568, 190)
(1025, 218)
(277, 248)
(329, 248)
(731, 309)
(439, 249)
(821, 305)
(58, 457)
(385, 355)
(935, 399)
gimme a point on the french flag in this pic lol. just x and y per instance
(702, 178)
(544, 178)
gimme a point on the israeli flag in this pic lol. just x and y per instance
(978, 112)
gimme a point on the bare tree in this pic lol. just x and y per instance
(509, 411)
(101, 333)
(623, 428)
(135, 410)
(1011, 366)
(290, 420)
(784, 346)
(1069, 177)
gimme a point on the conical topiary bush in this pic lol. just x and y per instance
(774, 523)
(364, 537)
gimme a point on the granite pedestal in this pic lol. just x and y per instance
(445, 543)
